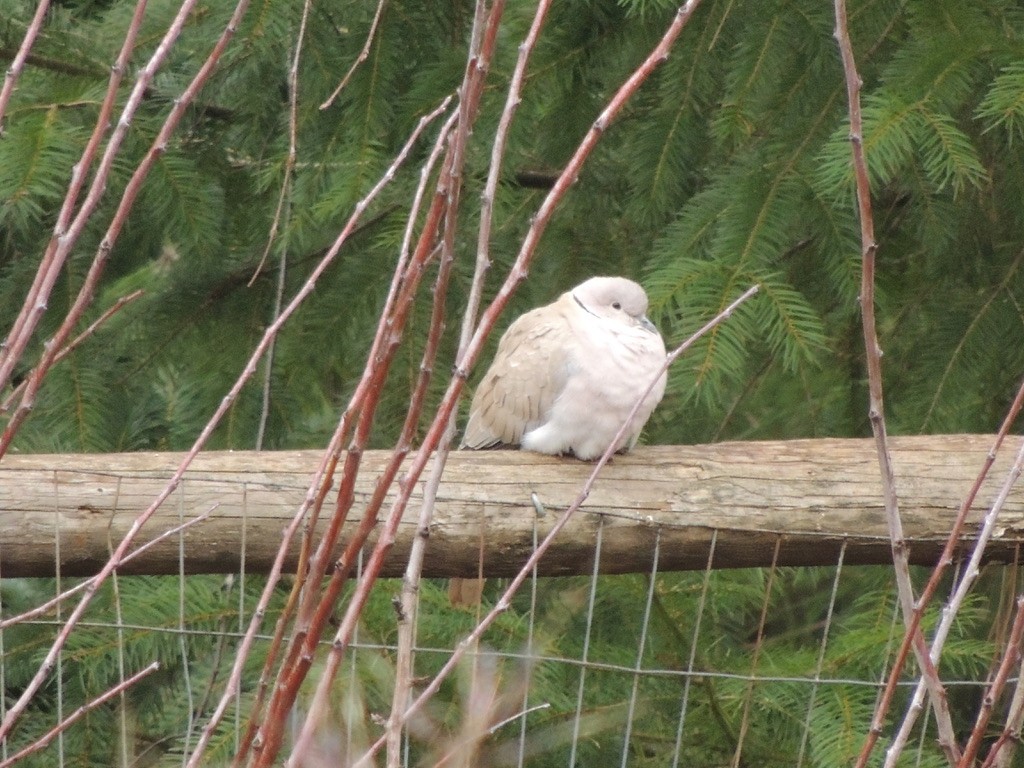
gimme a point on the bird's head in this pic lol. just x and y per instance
(614, 298)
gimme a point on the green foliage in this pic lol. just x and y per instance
(189, 626)
(730, 167)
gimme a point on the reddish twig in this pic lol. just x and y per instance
(78, 714)
(516, 275)
(112, 310)
(67, 230)
(970, 575)
(310, 627)
(316, 607)
(131, 191)
(945, 560)
(504, 602)
(14, 71)
(1002, 751)
(320, 482)
(408, 602)
(1011, 659)
(81, 301)
(295, 667)
(876, 409)
(318, 489)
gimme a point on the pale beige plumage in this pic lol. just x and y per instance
(566, 375)
(565, 379)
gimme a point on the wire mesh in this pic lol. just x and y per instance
(763, 666)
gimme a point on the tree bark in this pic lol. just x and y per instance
(803, 497)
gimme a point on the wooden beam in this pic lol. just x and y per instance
(809, 496)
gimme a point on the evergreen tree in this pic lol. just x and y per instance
(730, 167)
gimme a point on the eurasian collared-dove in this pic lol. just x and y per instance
(567, 375)
(565, 378)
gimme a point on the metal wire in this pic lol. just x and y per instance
(522, 714)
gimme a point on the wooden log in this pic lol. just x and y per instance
(803, 497)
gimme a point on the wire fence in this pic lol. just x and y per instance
(761, 666)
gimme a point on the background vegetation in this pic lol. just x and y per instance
(730, 167)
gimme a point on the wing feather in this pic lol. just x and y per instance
(527, 375)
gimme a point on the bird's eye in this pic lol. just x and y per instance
(616, 305)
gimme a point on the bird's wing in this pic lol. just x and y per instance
(529, 372)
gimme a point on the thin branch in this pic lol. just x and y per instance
(512, 99)
(945, 560)
(363, 54)
(956, 353)
(112, 310)
(503, 603)
(53, 602)
(1011, 659)
(78, 714)
(1002, 751)
(316, 608)
(970, 575)
(284, 200)
(294, 669)
(876, 409)
(320, 482)
(82, 300)
(65, 234)
(450, 399)
(408, 603)
(131, 191)
(14, 71)
(748, 696)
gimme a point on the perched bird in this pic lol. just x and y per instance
(565, 379)
(566, 376)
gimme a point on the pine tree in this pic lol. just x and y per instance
(729, 168)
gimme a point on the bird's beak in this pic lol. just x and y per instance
(646, 324)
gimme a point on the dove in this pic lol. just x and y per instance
(565, 379)
(567, 375)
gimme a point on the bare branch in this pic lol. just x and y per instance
(876, 409)
(949, 614)
(503, 602)
(283, 198)
(65, 242)
(1011, 659)
(483, 51)
(78, 714)
(449, 186)
(50, 604)
(64, 233)
(320, 482)
(112, 310)
(14, 71)
(359, 59)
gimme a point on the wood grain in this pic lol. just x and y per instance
(809, 496)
